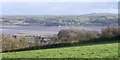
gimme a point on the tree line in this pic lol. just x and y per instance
(64, 36)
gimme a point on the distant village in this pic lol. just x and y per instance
(90, 19)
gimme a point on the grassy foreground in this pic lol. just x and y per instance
(109, 50)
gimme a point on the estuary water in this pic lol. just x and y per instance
(41, 30)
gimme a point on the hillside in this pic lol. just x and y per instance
(46, 20)
(109, 50)
(101, 14)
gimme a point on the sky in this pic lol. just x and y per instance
(57, 7)
(59, 0)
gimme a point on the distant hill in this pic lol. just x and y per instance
(46, 20)
(101, 14)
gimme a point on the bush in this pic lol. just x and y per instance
(13, 43)
(75, 35)
(110, 32)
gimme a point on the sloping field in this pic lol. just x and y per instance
(109, 50)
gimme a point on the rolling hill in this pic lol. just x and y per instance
(46, 20)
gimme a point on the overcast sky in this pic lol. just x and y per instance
(57, 7)
(59, 0)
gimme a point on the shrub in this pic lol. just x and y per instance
(10, 43)
(110, 32)
(75, 35)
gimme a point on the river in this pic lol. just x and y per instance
(41, 30)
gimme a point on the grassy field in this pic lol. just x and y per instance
(109, 50)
